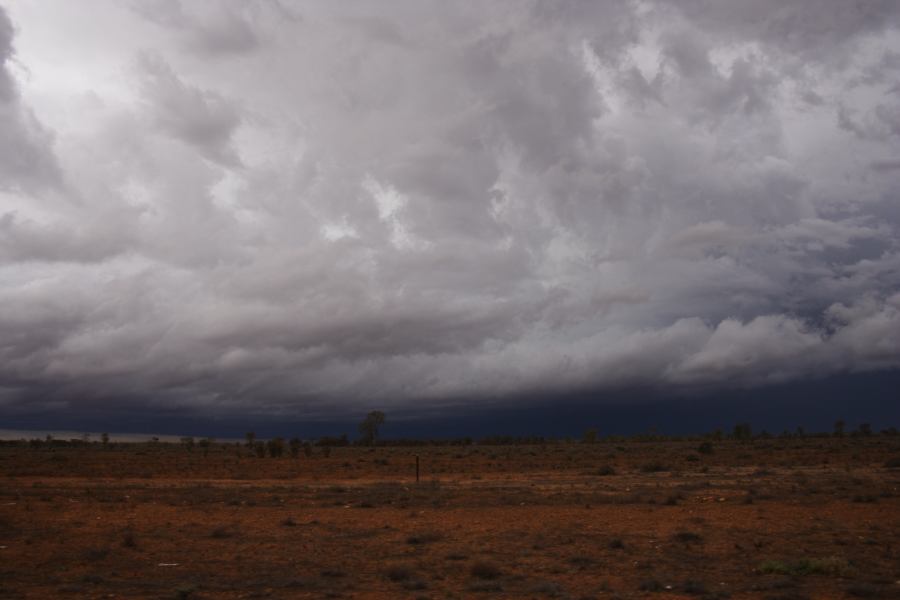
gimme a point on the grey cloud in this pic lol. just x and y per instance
(22, 240)
(196, 116)
(221, 28)
(26, 154)
(7, 87)
(814, 29)
(445, 202)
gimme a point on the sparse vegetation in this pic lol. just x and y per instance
(831, 565)
(485, 570)
(653, 467)
(399, 573)
(650, 585)
(426, 537)
(128, 540)
(687, 537)
(526, 521)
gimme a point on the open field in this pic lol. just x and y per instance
(776, 518)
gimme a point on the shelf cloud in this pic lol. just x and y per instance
(306, 207)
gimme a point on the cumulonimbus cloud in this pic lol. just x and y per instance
(285, 206)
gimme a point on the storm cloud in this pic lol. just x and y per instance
(306, 207)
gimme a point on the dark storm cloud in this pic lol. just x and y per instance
(279, 207)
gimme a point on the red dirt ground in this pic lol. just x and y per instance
(780, 519)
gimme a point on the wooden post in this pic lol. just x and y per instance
(417, 468)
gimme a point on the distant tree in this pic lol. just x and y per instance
(295, 445)
(260, 449)
(205, 444)
(742, 431)
(590, 436)
(865, 429)
(368, 429)
(188, 442)
(275, 447)
(104, 439)
(839, 426)
(251, 439)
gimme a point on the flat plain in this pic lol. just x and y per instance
(780, 518)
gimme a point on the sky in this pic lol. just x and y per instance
(248, 210)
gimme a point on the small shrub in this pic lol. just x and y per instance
(93, 554)
(399, 573)
(289, 522)
(650, 585)
(892, 463)
(687, 537)
(695, 588)
(705, 448)
(654, 467)
(184, 593)
(616, 544)
(605, 471)
(485, 586)
(548, 588)
(485, 570)
(128, 540)
(581, 562)
(863, 590)
(415, 584)
(423, 538)
(332, 573)
(831, 565)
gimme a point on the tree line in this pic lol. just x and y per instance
(369, 429)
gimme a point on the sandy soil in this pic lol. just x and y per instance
(780, 519)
